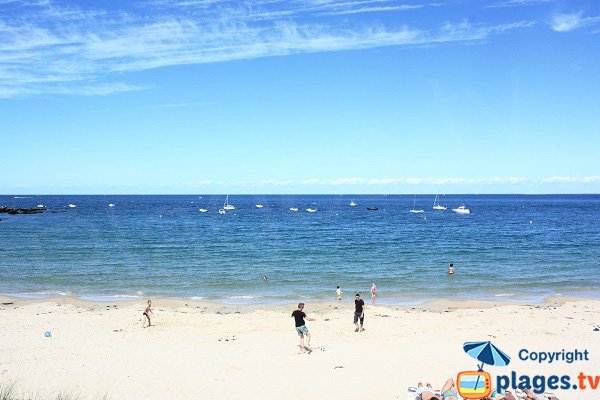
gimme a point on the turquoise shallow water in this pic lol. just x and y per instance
(512, 247)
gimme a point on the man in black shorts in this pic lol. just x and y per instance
(359, 313)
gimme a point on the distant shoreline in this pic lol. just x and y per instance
(432, 304)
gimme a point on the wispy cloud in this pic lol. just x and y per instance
(519, 3)
(410, 181)
(372, 9)
(47, 48)
(572, 179)
(359, 181)
(569, 22)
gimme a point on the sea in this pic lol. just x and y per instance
(521, 248)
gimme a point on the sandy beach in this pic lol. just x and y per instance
(219, 351)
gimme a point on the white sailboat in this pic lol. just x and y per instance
(353, 203)
(462, 210)
(436, 204)
(227, 206)
(414, 209)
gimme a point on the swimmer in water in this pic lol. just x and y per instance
(451, 269)
(265, 278)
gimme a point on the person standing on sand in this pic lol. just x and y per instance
(301, 328)
(147, 313)
(359, 313)
(338, 293)
(451, 269)
(373, 291)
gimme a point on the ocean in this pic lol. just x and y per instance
(510, 248)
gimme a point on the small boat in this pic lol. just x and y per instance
(111, 205)
(72, 206)
(221, 211)
(259, 206)
(309, 209)
(41, 206)
(414, 209)
(353, 203)
(227, 206)
(436, 204)
(294, 209)
(372, 208)
(462, 210)
(202, 210)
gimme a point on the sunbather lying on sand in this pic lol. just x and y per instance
(449, 390)
(531, 395)
(426, 392)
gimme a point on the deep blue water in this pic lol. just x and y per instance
(512, 247)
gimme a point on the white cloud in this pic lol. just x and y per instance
(572, 179)
(40, 53)
(566, 22)
(516, 3)
(372, 9)
(569, 22)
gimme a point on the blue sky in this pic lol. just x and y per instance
(302, 96)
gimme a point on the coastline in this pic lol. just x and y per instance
(221, 351)
(258, 302)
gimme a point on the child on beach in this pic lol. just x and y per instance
(301, 328)
(338, 293)
(147, 313)
(373, 291)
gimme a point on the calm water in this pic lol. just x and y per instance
(511, 247)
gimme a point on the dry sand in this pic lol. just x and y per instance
(217, 351)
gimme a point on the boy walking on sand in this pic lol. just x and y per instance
(147, 313)
(359, 313)
(301, 328)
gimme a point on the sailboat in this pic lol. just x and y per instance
(227, 206)
(436, 204)
(353, 203)
(414, 209)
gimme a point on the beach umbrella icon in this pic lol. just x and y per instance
(487, 353)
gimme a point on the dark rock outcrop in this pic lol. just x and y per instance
(14, 211)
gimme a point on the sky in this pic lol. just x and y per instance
(299, 96)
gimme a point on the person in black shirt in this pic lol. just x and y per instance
(301, 328)
(359, 313)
